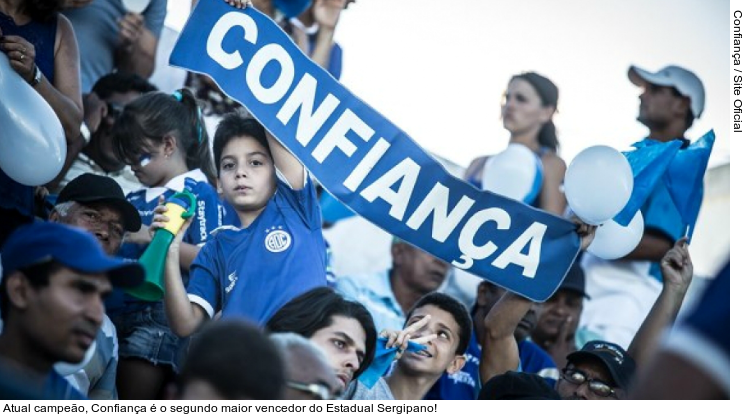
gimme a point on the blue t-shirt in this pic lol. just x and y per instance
(208, 216)
(252, 272)
(97, 31)
(466, 384)
(57, 388)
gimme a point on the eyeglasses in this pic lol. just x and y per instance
(578, 378)
(320, 392)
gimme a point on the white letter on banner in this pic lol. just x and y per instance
(436, 203)
(467, 246)
(268, 53)
(513, 254)
(232, 60)
(302, 99)
(336, 136)
(408, 170)
(361, 171)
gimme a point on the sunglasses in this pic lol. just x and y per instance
(578, 378)
(319, 392)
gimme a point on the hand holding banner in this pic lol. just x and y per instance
(370, 164)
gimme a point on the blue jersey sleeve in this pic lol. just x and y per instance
(208, 216)
(204, 280)
(303, 201)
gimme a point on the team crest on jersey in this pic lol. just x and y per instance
(277, 240)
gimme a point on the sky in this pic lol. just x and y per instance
(437, 69)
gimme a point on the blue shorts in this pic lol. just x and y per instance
(145, 334)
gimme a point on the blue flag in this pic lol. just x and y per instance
(368, 163)
(649, 161)
(384, 358)
(684, 178)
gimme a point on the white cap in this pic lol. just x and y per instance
(687, 83)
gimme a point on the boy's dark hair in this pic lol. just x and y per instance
(38, 276)
(154, 115)
(121, 82)
(455, 308)
(235, 125)
(237, 359)
(41, 10)
(315, 309)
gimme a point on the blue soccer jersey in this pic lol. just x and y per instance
(208, 216)
(252, 272)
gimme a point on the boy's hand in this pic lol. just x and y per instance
(160, 220)
(400, 339)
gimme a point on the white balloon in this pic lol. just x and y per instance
(66, 369)
(32, 141)
(515, 172)
(598, 184)
(135, 6)
(613, 241)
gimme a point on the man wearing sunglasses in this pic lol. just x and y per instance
(600, 370)
(93, 152)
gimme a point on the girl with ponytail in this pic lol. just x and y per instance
(163, 138)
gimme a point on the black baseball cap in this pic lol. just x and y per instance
(618, 362)
(91, 188)
(517, 385)
(575, 280)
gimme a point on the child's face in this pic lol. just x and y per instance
(151, 169)
(247, 178)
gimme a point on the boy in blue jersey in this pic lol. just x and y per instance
(466, 384)
(277, 253)
(51, 300)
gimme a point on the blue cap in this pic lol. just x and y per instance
(72, 247)
(292, 8)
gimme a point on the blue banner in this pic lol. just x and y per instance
(649, 161)
(367, 162)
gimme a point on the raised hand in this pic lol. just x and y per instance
(586, 232)
(327, 12)
(676, 266)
